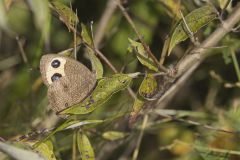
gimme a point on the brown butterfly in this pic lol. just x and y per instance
(69, 82)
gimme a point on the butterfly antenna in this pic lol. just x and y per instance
(91, 28)
(75, 37)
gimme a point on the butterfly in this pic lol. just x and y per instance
(69, 82)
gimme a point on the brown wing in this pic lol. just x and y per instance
(75, 83)
(70, 90)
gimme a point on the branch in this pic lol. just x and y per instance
(145, 46)
(100, 31)
(199, 53)
(191, 62)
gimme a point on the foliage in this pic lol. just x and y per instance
(122, 117)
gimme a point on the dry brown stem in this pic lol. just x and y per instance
(198, 54)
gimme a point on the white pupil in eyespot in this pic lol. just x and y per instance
(56, 77)
(55, 64)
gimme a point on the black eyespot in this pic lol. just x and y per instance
(66, 105)
(56, 77)
(55, 64)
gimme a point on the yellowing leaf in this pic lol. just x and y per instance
(85, 147)
(146, 91)
(46, 149)
(114, 135)
(66, 15)
(222, 3)
(173, 6)
(195, 20)
(105, 88)
(137, 107)
(142, 55)
(180, 149)
(148, 87)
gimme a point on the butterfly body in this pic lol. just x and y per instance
(69, 82)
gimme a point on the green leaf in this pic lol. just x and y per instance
(232, 43)
(96, 64)
(59, 128)
(114, 135)
(172, 7)
(86, 35)
(46, 149)
(195, 20)
(85, 147)
(164, 50)
(137, 107)
(148, 87)
(68, 52)
(105, 88)
(66, 15)
(142, 56)
(69, 124)
(90, 123)
(19, 153)
(226, 55)
(41, 15)
(231, 119)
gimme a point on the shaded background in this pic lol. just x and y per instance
(23, 102)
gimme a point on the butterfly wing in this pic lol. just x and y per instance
(68, 84)
(62, 95)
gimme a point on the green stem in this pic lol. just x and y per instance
(235, 63)
(74, 146)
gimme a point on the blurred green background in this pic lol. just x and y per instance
(29, 29)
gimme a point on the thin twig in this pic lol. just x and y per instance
(102, 25)
(10, 62)
(74, 145)
(75, 37)
(235, 63)
(110, 8)
(191, 122)
(144, 124)
(101, 55)
(192, 61)
(20, 46)
(236, 29)
(145, 46)
(205, 126)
